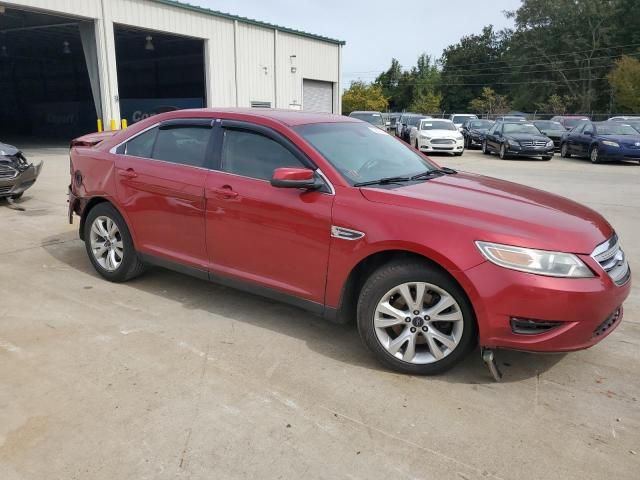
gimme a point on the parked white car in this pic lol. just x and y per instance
(459, 118)
(437, 135)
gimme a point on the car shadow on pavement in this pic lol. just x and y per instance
(339, 342)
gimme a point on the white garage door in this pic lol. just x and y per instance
(317, 96)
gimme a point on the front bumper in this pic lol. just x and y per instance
(531, 152)
(434, 145)
(618, 154)
(586, 309)
(21, 182)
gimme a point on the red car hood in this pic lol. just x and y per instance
(502, 211)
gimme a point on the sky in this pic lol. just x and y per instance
(375, 30)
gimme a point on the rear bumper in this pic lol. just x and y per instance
(23, 181)
(586, 310)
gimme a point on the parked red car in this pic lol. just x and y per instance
(333, 215)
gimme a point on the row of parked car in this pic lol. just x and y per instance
(514, 136)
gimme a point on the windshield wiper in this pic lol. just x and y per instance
(383, 181)
(434, 172)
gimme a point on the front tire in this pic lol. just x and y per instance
(415, 318)
(109, 244)
(594, 154)
(485, 149)
(564, 151)
(503, 152)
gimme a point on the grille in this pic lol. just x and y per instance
(8, 172)
(442, 141)
(533, 143)
(607, 324)
(613, 260)
(4, 190)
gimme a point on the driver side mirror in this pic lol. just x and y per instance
(588, 133)
(296, 178)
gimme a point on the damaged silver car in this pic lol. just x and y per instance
(17, 174)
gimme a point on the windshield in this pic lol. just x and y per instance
(374, 118)
(521, 128)
(616, 129)
(548, 125)
(635, 125)
(457, 119)
(362, 153)
(438, 125)
(480, 124)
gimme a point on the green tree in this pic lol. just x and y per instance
(489, 103)
(470, 65)
(426, 103)
(555, 104)
(363, 96)
(625, 84)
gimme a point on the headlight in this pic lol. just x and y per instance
(541, 262)
(426, 137)
(459, 137)
(610, 143)
(513, 143)
(550, 143)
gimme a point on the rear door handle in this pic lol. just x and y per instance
(225, 192)
(128, 173)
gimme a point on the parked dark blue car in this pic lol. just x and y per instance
(602, 141)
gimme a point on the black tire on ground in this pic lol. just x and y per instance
(396, 273)
(503, 152)
(417, 147)
(564, 151)
(485, 149)
(131, 265)
(17, 196)
(546, 157)
(467, 142)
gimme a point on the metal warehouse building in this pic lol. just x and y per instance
(66, 63)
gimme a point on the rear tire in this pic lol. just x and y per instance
(390, 337)
(111, 250)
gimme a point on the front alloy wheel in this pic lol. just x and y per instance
(564, 151)
(594, 155)
(415, 318)
(485, 150)
(503, 152)
(418, 323)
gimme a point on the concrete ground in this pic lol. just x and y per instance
(171, 377)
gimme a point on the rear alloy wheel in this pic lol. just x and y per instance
(485, 150)
(594, 154)
(415, 318)
(109, 244)
(564, 151)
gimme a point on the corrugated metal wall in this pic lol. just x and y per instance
(244, 62)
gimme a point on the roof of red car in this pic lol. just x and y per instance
(287, 117)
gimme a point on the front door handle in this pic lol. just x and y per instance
(128, 173)
(225, 192)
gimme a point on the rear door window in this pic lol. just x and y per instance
(182, 144)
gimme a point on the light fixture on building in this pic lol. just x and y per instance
(3, 51)
(149, 45)
(292, 60)
(65, 48)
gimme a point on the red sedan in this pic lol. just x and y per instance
(335, 216)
